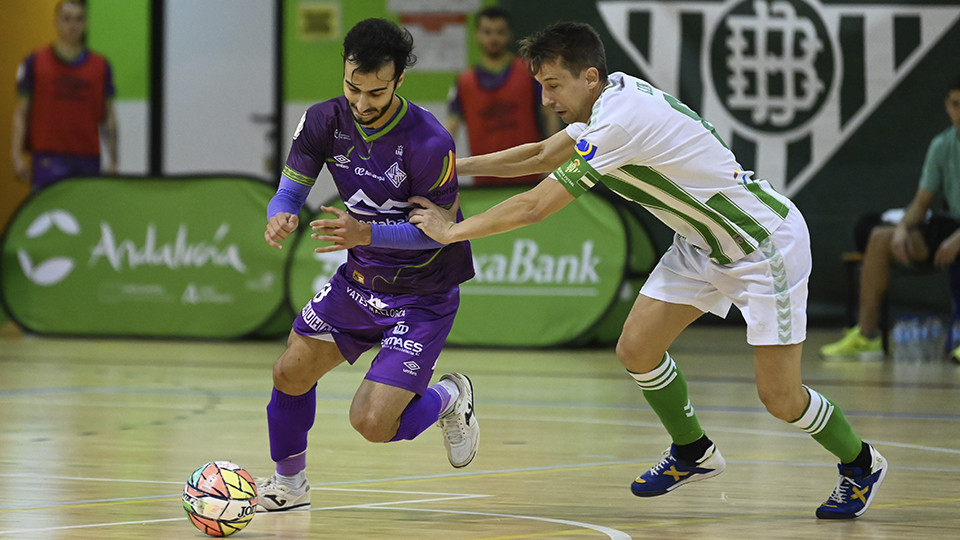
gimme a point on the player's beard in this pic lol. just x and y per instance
(378, 116)
(496, 52)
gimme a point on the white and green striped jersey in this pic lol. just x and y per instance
(652, 149)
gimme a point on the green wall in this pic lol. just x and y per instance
(120, 30)
(313, 71)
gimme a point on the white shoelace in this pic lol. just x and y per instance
(453, 429)
(667, 459)
(839, 494)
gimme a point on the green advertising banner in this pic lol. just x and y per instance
(542, 285)
(180, 257)
(570, 279)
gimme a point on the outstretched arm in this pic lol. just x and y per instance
(522, 209)
(523, 160)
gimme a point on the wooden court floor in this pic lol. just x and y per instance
(98, 436)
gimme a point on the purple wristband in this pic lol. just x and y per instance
(403, 236)
(290, 198)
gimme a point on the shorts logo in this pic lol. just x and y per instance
(400, 328)
(779, 75)
(407, 346)
(315, 323)
(375, 305)
(412, 367)
(586, 149)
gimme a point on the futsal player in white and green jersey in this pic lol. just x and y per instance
(737, 241)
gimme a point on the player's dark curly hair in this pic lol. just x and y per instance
(575, 46)
(374, 42)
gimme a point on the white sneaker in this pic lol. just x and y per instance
(461, 432)
(272, 496)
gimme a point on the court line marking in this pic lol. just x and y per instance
(415, 478)
(611, 533)
(162, 392)
(445, 497)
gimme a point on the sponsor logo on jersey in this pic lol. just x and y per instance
(360, 203)
(337, 134)
(361, 171)
(775, 74)
(400, 328)
(395, 175)
(586, 149)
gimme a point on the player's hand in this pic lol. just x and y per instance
(433, 220)
(901, 245)
(279, 227)
(343, 230)
(947, 252)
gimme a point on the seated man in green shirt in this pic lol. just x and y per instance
(916, 239)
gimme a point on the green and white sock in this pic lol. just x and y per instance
(824, 421)
(665, 390)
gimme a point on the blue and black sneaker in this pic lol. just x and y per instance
(672, 473)
(855, 489)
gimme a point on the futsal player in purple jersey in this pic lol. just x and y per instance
(398, 290)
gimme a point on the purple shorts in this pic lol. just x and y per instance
(410, 329)
(49, 169)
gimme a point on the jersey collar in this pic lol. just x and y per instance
(397, 116)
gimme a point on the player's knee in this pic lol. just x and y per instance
(636, 357)
(370, 426)
(290, 378)
(787, 405)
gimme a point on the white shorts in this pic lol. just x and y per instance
(769, 286)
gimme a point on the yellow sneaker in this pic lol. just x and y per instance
(853, 346)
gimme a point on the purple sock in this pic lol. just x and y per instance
(289, 418)
(421, 413)
(292, 465)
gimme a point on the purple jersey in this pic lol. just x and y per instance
(375, 174)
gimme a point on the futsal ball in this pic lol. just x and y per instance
(220, 498)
